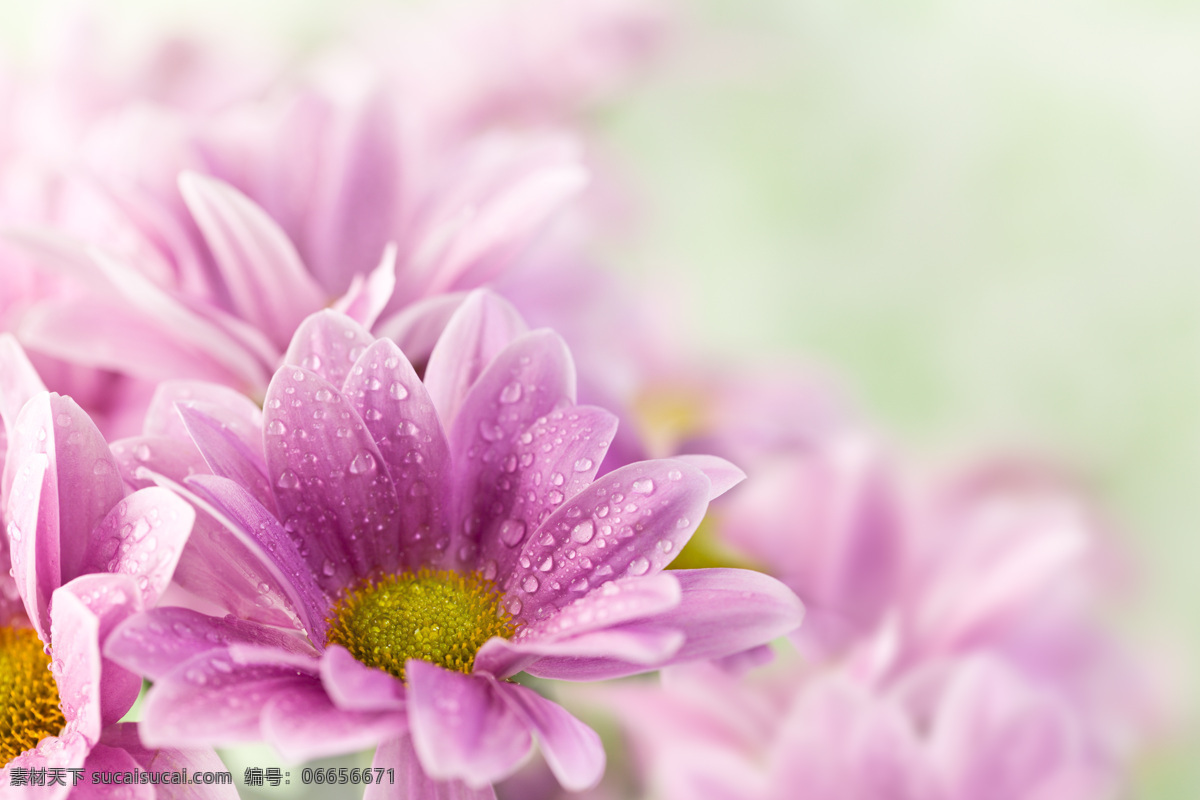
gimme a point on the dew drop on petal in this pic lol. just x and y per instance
(288, 480)
(363, 463)
(327, 569)
(584, 531)
(514, 606)
(580, 585)
(530, 584)
(512, 532)
(547, 565)
(682, 523)
(644, 486)
(583, 465)
(276, 428)
(639, 566)
(510, 393)
(397, 390)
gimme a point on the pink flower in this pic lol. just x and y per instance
(369, 490)
(85, 555)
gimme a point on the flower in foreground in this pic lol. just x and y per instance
(85, 555)
(434, 539)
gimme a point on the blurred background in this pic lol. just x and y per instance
(980, 215)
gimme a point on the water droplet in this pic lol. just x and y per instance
(312, 362)
(514, 606)
(323, 395)
(555, 497)
(682, 523)
(510, 393)
(547, 565)
(398, 390)
(584, 531)
(288, 480)
(490, 431)
(276, 428)
(675, 475)
(583, 465)
(512, 532)
(363, 463)
(530, 584)
(639, 566)
(580, 585)
(327, 569)
(644, 486)
(557, 479)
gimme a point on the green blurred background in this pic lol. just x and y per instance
(981, 214)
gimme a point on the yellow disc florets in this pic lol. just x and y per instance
(29, 708)
(437, 616)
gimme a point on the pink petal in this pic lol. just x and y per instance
(330, 481)
(366, 298)
(261, 534)
(529, 380)
(267, 283)
(110, 599)
(573, 750)
(239, 412)
(356, 687)
(400, 417)
(124, 736)
(329, 344)
(304, 724)
(721, 474)
(213, 700)
(54, 521)
(417, 327)
(143, 537)
(462, 728)
(397, 754)
(110, 760)
(157, 641)
(631, 521)
(227, 455)
(482, 326)
(75, 645)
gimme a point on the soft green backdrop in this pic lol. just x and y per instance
(983, 214)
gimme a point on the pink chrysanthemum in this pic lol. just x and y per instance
(433, 539)
(85, 555)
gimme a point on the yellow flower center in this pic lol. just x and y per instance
(29, 709)
(437, 616)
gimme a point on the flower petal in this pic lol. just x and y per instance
(356, 687)
(267, 283)
(366, 298)
(212, 700)
(304, 724)
(54, 517)
(110, 599)
(227, 455)
(124, 736)
(398, 754)
(261, 534)
(143, 537)
(400, 417)
(75, 644)
(530, 379)
(573, 751)
(721, 474)
(462, 728)
(328, 343)
(509, 492)
(157, 641)
(482, 326)
(417, 327)
(330, 481)
(632, 521)
(240, 413)
(110, 760)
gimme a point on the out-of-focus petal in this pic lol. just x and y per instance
(573, 750)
